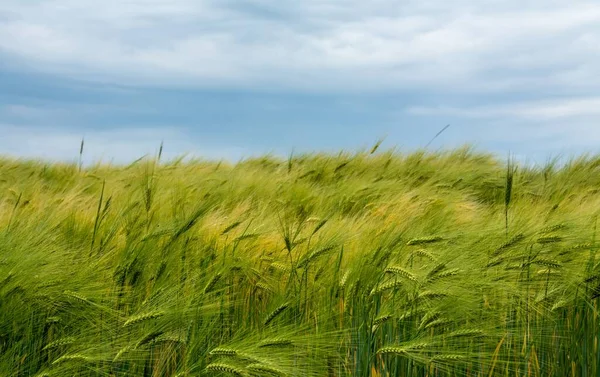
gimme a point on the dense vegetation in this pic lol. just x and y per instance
(359, 264)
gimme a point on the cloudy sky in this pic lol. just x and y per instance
(231, 79)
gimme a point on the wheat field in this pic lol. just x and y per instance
(368, 263)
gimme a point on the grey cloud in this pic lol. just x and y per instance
(312, 45)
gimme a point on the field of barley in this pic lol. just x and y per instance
(368, 263)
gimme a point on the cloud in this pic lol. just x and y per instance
(568, 124)
(529, 110)
(272, 74)
(312, 45)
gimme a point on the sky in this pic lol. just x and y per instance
(225, 79)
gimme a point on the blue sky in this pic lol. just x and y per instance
(231, 79)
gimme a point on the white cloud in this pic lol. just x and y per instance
(530, 110)
(478, 46)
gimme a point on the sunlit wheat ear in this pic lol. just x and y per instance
(430, 295)
(385, 287)
(60, 342)
(344, 279)
(225, 368)
(264, 286)
(267, 259)
(72, 358)
(448, 357)
(559, 304)
(424, 240)
(143, 317)
(76, 296)
(437, 323)
(223, 352)
(401, 350)
(52, 320)
(280, 267)
(552, 228)
(122, 352)
(444, 274)
(583, 246)
(548, 272)
(426, 254)
(392, 351)
(397, 270)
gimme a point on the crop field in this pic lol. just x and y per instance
(368, 263)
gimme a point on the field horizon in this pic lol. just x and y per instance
(82, 159)
(367, 263)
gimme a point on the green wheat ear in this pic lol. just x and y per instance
(142, 317)
(60, 342)
(402, 272)
(275, 313)
(223, 352)
(424, 240)
(508, 190)
(225, 368)
(71, 358)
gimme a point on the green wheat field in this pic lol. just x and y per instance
(366, 263)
